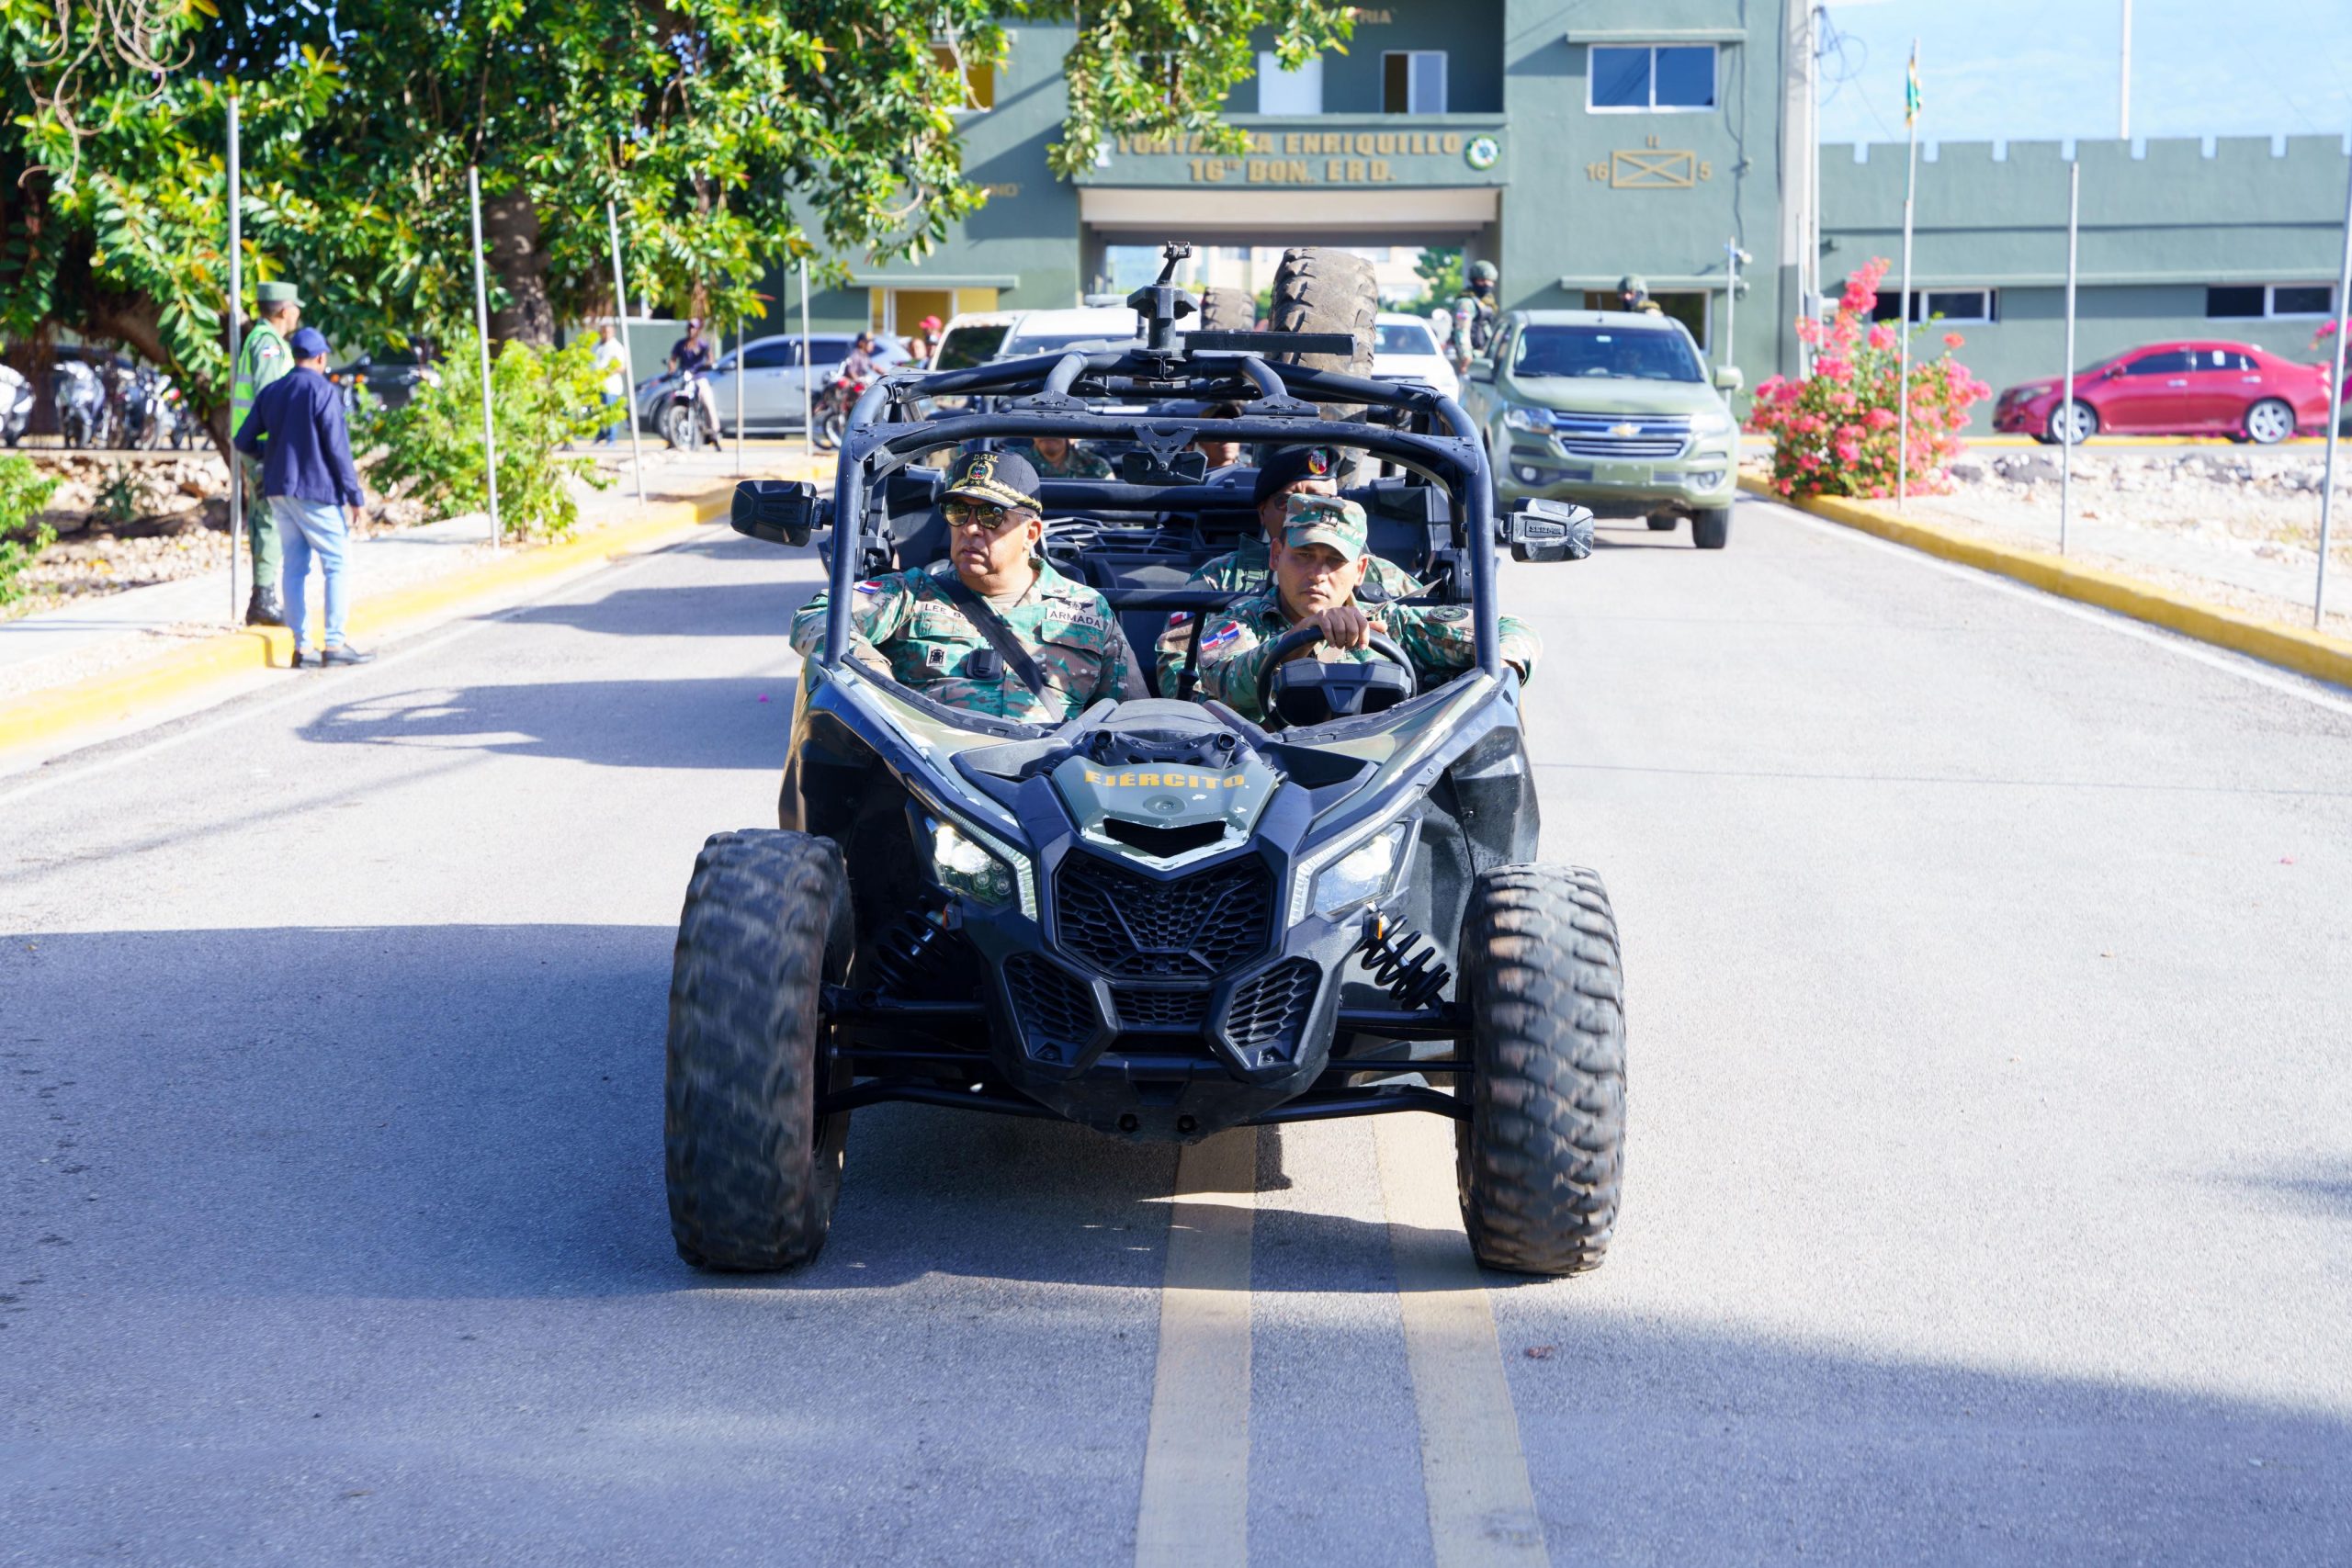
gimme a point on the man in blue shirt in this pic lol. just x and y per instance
(297, 432)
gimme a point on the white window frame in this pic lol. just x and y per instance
(2270, 312)
(1715, 67)
(1270, 68)
(1412, 80)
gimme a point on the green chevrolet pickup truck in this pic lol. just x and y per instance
(1611, 409)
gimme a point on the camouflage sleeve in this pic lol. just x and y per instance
(1443, 639)
(1174, 638)
(879, 606)
(1122, 679)
(1394, 580)
(1521, 647)
(1088, 465)
(1234, 667)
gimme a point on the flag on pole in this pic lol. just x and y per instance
(1911, 90)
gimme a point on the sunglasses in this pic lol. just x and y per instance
(961, 513)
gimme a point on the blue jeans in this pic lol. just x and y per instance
(616, 430)
(312, 528)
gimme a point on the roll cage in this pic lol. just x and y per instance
(1420, 431)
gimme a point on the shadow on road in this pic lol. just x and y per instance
(717, 723)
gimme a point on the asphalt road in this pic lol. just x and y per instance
(1990, 1190)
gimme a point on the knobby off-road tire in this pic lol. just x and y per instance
(1541, 1158)
(1227, 310)
(1322, 290)
(753, 1170)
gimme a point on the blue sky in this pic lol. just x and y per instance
(2045, 69)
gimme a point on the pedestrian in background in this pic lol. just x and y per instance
(614, 360)
(296, 431)
(261, 360)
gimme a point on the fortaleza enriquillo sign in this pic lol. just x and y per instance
(1343, 157)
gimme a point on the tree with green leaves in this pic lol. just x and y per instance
(733, 135)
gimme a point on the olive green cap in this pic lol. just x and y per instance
(271, 294)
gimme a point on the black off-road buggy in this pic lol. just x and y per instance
(1159, 919)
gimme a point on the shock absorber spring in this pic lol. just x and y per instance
(1406, 963)
(898, 953)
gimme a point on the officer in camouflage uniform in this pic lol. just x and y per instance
(262, 358)
(1059, 457)
(1473, 314)
(1297, 470)
(1316, 568)
(926, 626)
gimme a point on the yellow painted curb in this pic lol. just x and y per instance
(2307, 652)
(124, 694)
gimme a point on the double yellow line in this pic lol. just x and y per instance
(1196, 1505)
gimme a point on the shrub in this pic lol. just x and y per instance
(23, 493)
(540, 401)
(1835, 432)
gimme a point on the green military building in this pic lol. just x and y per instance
(1571, 141)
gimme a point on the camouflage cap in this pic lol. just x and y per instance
(1005, 478)
(1324, 520)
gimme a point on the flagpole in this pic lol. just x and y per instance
(1903, 327)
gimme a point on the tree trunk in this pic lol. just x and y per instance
(510, 227)
(136, 321)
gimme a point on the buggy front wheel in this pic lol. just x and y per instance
(1539, 1159)
(752, 1169)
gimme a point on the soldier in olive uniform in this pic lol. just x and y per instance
(261, 359)
(926, 626)
(1473, 315)
(1059, 457)
(1316, 568)
(1634, 294)
(1297, 470)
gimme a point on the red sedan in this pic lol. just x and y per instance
(2176, 389)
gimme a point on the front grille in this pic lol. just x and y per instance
(1630, 439)
(1053, 1007)
(1159, 1010)
(1271, 1010)
(1189, 928)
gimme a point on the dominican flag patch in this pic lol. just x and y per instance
(1225, 635)
(875, 586)
(1180, 618)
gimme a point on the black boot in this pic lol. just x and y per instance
(264, 609)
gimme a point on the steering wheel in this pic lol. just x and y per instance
(1307, 635)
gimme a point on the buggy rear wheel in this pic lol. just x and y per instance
(753, 1169)
(1540, 1158)
(1322, 290)
(1227, 310)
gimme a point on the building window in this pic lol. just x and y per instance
(1289, 92)
(2256, 302)
(979, 78)
(1666, 79)
(1412, 80)
(1954, 305)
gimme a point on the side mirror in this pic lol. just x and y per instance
(780, 512)
(1183, 469)
(365, 361)
(1548, 531)
(1480, 370)
(1729, 378)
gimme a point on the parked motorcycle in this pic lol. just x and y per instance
(81, 399)
(16, 405)
(685, 421)
(831, 410)
(148, 417)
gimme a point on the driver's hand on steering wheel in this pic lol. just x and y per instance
(1343, 626)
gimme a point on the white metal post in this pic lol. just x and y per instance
(808, 371)
(2066, 389)
(1810, 286)
(236, 346)
(1902, 336)
(2334, 412)
(482, 330)
(628, 358)
(2123, 86)
(1731, 301)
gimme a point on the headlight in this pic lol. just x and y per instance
(1516, 418)
(1362, 873)
(963, 867)
(1720, 423)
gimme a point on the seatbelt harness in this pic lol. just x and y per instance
(990, 624)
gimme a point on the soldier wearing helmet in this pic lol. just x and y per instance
(1473, 314)
(1634, 294)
